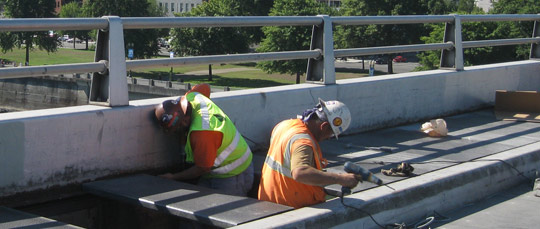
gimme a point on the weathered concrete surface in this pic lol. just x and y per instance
(43, 93)
(72, 90)
(480, 156)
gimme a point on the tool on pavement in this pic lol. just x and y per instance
(404, 169)
(362, 175)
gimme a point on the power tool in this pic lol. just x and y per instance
(362, 175)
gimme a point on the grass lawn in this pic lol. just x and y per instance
(40, 57)
(248, 76)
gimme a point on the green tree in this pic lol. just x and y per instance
(290, 38)
(255, 8)
(212, 40)
(470, 31)
(380, 35)
(514, 29)
(487, 31)
(28, 9)
(438, 7)
(74, 10)
(144, 42)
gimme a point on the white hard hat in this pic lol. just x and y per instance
(337, 114)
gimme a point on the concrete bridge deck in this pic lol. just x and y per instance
(64, 147)
(481, 156)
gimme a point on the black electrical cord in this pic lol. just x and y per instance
(420, 224)
(358, 209)
(429, 220)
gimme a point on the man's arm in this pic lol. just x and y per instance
(303, 170)
(311, 176)
(204, 145)
(191, 173)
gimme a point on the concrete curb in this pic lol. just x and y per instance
(416, 197)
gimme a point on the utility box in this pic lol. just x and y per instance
(517, 105)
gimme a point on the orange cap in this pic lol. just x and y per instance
(203, 88)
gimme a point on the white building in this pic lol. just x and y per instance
(486, 5)
(178, 6)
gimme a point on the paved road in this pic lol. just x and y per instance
(357, 64)
(77, 45)
(217, 71)
(350, 63)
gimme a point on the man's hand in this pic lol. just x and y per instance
(190, 173)
(349, 180)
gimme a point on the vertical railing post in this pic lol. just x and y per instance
(322, 70)
(110, 88)
(535, 50)
(453, 58)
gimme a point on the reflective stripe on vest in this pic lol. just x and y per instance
(277, 167)
(204, 111)
(235, 164)
(285, 168)
(227, 151)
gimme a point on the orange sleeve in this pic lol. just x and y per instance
(205, 144)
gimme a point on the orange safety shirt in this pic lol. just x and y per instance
(277, 184)
(205, 145)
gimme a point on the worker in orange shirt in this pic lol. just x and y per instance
(292, 173)
(221, 156)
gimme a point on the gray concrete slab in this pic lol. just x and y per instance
(517, 207)
(471, 136)
(11, 218)
(184, 200)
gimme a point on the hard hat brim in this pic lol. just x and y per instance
(328, 117)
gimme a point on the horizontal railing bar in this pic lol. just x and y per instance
(391, 49)
(405, 19)
(217, 59)
(45, 70)
(40, 24)
(486, 43)
(236, 21)
(499, 17)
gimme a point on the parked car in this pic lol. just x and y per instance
(381, 60)
(400, 59)
(164, 43)
(63, 38)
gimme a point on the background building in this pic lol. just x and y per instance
(177, 6)
(486, 5)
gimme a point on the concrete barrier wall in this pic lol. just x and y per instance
(43, 92)
(55, 147)
(72, 90)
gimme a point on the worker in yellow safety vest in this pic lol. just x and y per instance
(222, 158)
(292, 173)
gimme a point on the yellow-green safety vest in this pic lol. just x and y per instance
(234, 155)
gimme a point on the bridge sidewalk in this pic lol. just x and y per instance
(480, 157)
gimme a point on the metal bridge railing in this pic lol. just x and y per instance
(109, 86)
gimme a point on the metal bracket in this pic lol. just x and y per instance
(322, 70)
(453, 58)
(109, 88)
